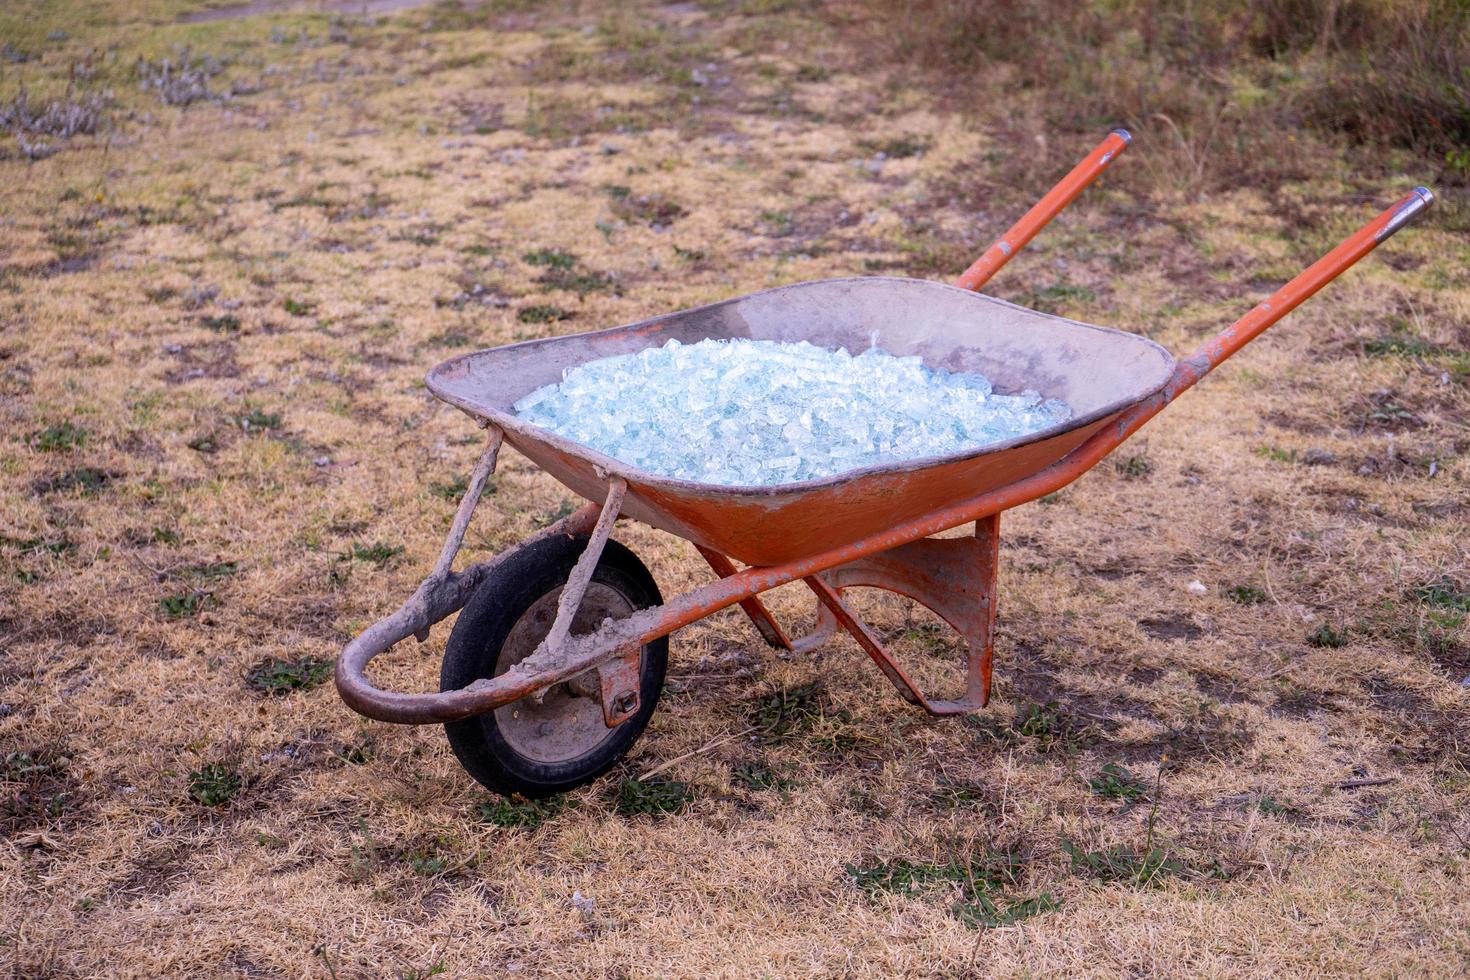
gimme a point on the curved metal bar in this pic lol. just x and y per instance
(441, 594)
(1041, 213)
(432, 602)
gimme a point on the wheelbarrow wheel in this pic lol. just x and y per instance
(542, 749)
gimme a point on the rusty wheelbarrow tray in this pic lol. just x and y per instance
(866, 527)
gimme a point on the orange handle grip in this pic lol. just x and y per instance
(997, 255)
(1406, 210)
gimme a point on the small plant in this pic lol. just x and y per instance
(1123, 863)
(542, 313)
(1327, 636)
(365, 858)
(897, 148)
(550, 258)
(1444, 594)
(1133, 467)
(427, 864)
(221, 324)
(654, 210)
(1115, 782)
(1400, 345)
(780, 222)
(1245, 595)
(1051, 299)
(212, 570)
(297, 307)
(1276, 455)
(1271, 808)
(564, 509)
(452, 490)
(1390, 412)
(573, 281)
(783, 712)
(31, 546)
(528, 814)
(378, 553)
(256, 421)
(358, 753)
(61, 118)
(655, 797)
(1039, 721)
(451, 339)
(929, 634)
(282, 676)
(19, 766)
(758, 776)
(214, 785)
(183, 604)
(977, 879)
(983, 913)
(960, 796)
(57, 438)
(180, 80)
(34, 788)
(86, 480)
(904, 877)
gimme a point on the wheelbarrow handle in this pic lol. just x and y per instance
(1007, 245)
(1405, 211)
(1190, 370)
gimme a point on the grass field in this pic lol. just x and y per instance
(233, 249)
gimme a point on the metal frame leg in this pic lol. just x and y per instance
(953, 577)
(770, 630)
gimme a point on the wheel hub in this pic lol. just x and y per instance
(566, 723)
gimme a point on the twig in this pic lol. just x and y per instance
(1356, 783)
(1005, 788)
(17, 636)
(689, 755)
(1266, 571)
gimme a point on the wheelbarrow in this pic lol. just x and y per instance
(557, 658)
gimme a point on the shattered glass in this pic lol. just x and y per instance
(757, 412)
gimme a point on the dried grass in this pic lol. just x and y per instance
(207, 393)
(1225, 87)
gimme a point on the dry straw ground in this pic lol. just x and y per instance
(221, 281)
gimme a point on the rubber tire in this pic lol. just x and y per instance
(474, 649)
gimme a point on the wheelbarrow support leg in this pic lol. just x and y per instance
(953, 577)
(765, 623)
